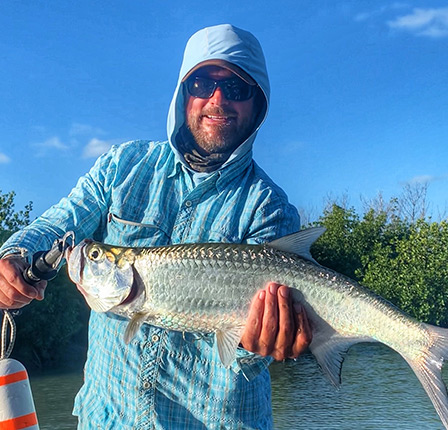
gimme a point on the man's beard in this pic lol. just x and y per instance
(226, 137)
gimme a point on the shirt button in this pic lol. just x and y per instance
(155, 338)
(146, 385)
(188, 203)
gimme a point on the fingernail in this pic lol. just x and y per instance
(284, 291)
(262, 295)
(39, 292)
(273, 289)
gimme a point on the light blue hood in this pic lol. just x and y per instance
(223, 42)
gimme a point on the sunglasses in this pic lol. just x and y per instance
(234, 89)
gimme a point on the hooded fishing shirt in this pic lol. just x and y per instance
(143, 193)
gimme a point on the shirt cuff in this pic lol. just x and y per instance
(250, 364)
(14, 251)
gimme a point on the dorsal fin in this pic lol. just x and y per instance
(299, 243)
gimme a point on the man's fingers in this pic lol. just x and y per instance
(14, 291)
(11, 299)
(269, 327)
(40, 287)
(303, 334)
(13, 282)
(285, 336)
(254, 322)
(275, 326)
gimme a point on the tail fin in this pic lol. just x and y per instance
(429, 370)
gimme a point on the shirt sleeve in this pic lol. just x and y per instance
(83, 211)
(273, 218)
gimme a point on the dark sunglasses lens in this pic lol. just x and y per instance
(233, 89)
(237, 90)
(201, 88)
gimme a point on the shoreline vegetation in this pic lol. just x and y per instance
(393, 248)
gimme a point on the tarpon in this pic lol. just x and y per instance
(208, 288)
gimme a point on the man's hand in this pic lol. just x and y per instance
(275, 326)
(14, 291)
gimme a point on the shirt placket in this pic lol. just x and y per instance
(150, 362)
(185, 216)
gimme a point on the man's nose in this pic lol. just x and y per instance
(218, 97)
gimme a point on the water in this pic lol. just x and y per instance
(379, 391)
(53, 395)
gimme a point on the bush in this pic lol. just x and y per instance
(412, 272)
(405, 262)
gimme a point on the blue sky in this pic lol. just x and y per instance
(359, 91)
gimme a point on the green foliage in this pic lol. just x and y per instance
(349, 241)
(337, 248)
(9, 219)
(412, 272)
(403, 261)
(4, 234)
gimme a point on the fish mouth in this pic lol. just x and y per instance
(75, 263)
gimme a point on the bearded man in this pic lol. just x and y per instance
(201, 185)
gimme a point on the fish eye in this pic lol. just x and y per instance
(95, 253)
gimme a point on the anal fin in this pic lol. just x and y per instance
(330, 354)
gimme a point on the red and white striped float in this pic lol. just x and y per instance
(17, 409)
(16, 401)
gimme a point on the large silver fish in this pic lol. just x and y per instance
(209, 287)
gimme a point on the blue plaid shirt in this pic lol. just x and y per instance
(139, 194)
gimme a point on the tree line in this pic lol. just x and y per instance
(393, 248)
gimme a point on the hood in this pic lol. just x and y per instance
(231, 44)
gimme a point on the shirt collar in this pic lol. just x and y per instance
(222, 177)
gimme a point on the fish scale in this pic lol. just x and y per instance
(208, 288)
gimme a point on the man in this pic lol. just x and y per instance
(202, 185)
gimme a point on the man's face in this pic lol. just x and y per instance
(218, 124)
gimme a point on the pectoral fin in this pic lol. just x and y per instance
(99, 304)
(134, 325)
(227, 342)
